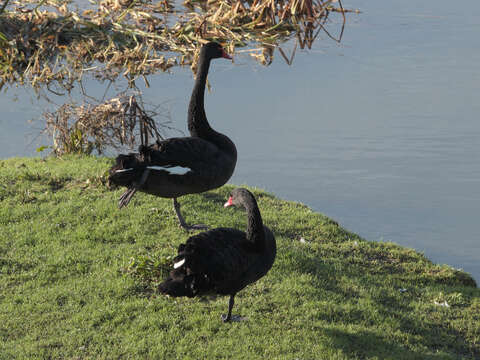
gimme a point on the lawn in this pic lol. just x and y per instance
(78, 279)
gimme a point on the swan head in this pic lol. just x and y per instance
(214, 50)
(238, 196)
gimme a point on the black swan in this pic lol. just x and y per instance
(186, 165)
(223, 261)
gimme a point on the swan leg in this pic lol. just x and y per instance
(183, 224)
(230, 317)
(227, 318)
(127, 195)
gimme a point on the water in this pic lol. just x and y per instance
(380, 132)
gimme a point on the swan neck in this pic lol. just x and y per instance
(255, 232)
(197, 120)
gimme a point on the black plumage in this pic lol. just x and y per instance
(223, 261)
(206, 159)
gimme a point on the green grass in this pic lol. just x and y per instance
(68, 289)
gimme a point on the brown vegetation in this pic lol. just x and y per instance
(50, 42)
(115, 123)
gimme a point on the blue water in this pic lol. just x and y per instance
(380, 132)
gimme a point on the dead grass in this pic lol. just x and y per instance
(52, 43)
(118, 122)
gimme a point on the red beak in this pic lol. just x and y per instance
(229, 202)
(225, 55)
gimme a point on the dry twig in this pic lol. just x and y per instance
(136, 38)
(114, 123)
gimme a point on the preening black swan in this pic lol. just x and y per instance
(223, 261)
(186, 165)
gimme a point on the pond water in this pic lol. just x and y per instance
(380, 132)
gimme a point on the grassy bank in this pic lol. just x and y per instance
(66, 290)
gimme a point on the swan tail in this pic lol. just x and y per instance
(178, 283)
(129, 161)
(183, 280)
(126, 169)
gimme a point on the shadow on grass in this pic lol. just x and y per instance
(210, 196)
(11, 266)
(53, 182)
(365, 344)
(425, 331)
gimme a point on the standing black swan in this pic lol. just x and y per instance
(223, 260)
(186, 165)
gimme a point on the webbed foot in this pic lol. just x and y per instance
(193, 227)
(233, 318)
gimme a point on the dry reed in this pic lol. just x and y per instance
(49, 43)
(114, 123)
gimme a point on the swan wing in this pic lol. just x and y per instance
(220, 254)
(187, 152)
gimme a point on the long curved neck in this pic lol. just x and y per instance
(197, 120)
(255, 232)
